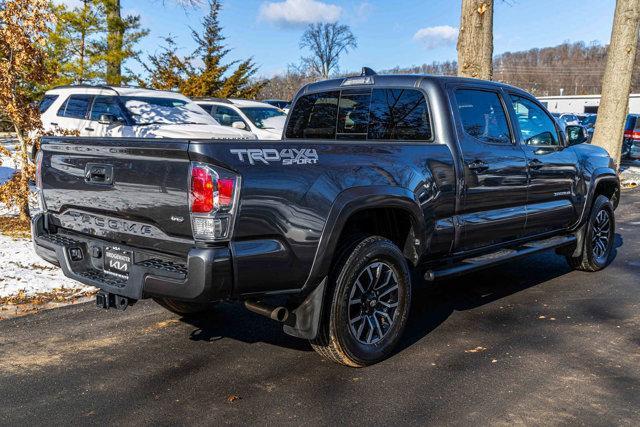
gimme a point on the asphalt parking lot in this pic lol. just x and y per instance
(530, 342)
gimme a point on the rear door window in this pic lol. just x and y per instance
(482, 116)
(46, 102)
(76, 106)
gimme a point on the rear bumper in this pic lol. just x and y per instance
(205, 274)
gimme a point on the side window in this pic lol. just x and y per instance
(353, 114)
(314, 116)
(206, 107)
(399, 114)
(226, 116)
(46, 102)
(536, 127)
(76, 106)
(106, 105)
(483, 116)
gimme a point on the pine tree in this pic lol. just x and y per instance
(212, 79)
(166, 70)
(74, 45)
(123, 33)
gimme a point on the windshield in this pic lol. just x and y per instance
(265, 118)
(168, 111)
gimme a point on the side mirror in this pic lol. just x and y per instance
(108, 119)
(239, 125)
(575, 135)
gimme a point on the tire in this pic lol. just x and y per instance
(382, 303)
(598, 239)
(183, 308)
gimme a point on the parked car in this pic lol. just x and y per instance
(567, 119)
(263, 120)
(129, 112)
(588, 120)
(631, 142)
(279, 103)
(378, 179)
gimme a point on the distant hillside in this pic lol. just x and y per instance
(575, 67)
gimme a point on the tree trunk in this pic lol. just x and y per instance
(115, 37)
(23, 199)
(616, 83)
(475, 40)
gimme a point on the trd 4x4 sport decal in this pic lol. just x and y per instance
(286, 156)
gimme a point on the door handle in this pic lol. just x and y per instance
(98, 174)
(535, 164)
(53, 124)
(478, 166)
(89, 129)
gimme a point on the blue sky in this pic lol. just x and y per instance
(390, 33)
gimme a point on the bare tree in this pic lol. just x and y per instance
(475, 40)
(326, 41)
(616, 82)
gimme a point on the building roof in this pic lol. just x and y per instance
(560, 97)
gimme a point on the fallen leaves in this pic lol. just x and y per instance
(478, 349)
(15, 227)
(59, 295)
(233, 398)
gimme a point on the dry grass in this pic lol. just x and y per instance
(14, 227)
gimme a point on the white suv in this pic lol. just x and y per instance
(130, 112)
(263, 120)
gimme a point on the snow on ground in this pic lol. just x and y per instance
(630, 173)
(21, 270)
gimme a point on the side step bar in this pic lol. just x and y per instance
(487, 260)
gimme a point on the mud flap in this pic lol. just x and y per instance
(306, 317)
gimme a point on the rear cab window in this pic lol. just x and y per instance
(362, 114)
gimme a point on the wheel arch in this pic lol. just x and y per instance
(355, 203)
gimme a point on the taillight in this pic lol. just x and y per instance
(632, 135)
(225, 191)
(39, 169)
(212, 199)
(201, 190)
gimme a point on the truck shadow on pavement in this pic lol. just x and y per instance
(432, 304)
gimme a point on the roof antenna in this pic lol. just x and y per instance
(366, 71)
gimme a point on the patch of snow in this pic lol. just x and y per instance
(630, 176)
(22, 270)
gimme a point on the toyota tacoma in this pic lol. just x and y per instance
(377, 180)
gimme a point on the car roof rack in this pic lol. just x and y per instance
(212, 99)
(105, 87)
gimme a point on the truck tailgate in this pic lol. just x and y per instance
(128, 191)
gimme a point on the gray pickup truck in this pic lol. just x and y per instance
(378, 179)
